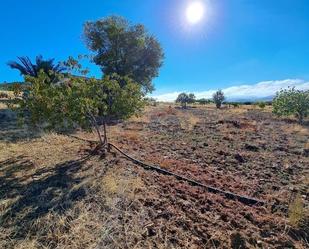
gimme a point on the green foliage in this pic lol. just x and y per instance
(204, 101)
(77, 101)
(26, 67)
(150, 101)
(191, 98)
(292, 102)
(184, 99)
(261, 104)
(124, 49)
(4, 95)
(235, 104)
(218, 98)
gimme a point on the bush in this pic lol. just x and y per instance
(218, 98)
(234, 104)
(150, 101)
(204, 101)
(292, 102)
(4, 95)
(185, 99)
(78, 102)
(261, 104)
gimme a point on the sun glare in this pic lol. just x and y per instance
(195, 12)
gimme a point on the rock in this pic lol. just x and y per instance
(151, 232)
(306, 152)
(259, 243)
(238, 241)
(251, 147)
(239, 158)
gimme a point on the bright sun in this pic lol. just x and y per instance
(195, 12)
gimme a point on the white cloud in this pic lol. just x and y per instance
(258, 90)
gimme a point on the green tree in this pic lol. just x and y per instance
(78, 102)
(124, 49)
(183, 99)
(292, 102)
(218, 98)
(26, 67)
(191, 98)
(204, 101)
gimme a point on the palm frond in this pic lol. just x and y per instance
(26, 67)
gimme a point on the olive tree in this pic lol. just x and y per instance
(184, 99)
(78, 102)
(124, 49)
(192, 98)
(218, 98)
(292, 102)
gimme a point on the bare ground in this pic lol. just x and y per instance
(53, 195)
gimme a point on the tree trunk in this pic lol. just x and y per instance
(105, 133)
(300, 118)
(94, 123)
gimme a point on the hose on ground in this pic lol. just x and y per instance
(229, 195)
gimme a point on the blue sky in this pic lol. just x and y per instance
(237, 43)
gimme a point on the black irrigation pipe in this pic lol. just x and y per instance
(229, 195)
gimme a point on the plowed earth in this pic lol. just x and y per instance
(49, 198)
(251, 153)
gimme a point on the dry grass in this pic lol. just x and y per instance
(296, 211)
(9, 93)
(187, 120)
(307, 145)
(116, 183)
(238, 110)
(3, 106)
(50, 199)
(296, 129)
(143, 117)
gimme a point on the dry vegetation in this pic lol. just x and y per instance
(54, 195)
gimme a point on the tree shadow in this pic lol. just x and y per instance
(33, 196)
(11, 131)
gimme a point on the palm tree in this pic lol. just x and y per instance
(26, 67)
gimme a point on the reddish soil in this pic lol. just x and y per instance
(251, 153)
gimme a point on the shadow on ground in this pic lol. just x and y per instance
(32, 196)
(11, 131)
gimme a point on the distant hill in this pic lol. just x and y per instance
(6, 86)
(250, 99)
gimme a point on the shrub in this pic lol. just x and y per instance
(204, 101)
(150, 101)
(261, 104)
(78, 102)
(292, 102)
(185, 99)
(235, 104)
(218, 98)
(4, 95)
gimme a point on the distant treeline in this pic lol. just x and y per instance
(9, 86)
(232, 103)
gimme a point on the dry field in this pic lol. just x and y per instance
(54, 194)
